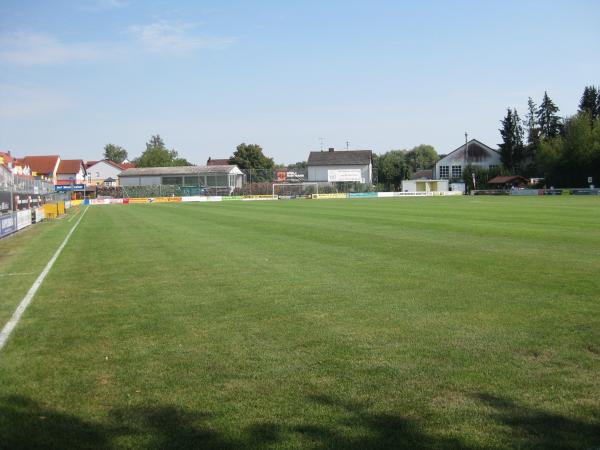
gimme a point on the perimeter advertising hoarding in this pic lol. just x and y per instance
(344, 175)
(290, 175)
(8, 224)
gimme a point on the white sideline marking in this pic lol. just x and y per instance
(12, 323)
(74, 215)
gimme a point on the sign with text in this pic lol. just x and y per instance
(69, 187)
(290, 176)
(343, 175)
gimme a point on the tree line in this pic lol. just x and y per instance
(563, 151)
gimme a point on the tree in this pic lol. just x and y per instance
(533, 132)
(568, 160)
(421, 157)
(589, 101)
(392, 168)
(250, 157)
(511, 149)
(548, 120)
(115, 153)
(157, 155)
(298, 165)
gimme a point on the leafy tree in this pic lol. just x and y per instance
(482, 176)
(548, 120)
(567, 160)
(421, 157)
(250, 157)
(589, 101)
(511, 149)
(298, 165)
(392, 168)
(115, 153)
(157, 155)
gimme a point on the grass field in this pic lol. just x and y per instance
(390, 323)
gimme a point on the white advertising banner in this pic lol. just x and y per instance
(23, 219)
(342, 175)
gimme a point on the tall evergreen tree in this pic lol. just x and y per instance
(589, 101)
(531, 123)
(511, 149)
(548, 120)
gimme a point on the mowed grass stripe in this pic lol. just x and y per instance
(24, 255)
(313, 324)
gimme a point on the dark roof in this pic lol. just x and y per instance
(177, 170)
(217, 162)
(341, 158)
(501, 179)
(476, 150)
(69, 166)
(41, 164)
(422, 175)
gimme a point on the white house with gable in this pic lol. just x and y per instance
(472, 153)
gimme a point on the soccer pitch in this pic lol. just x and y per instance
(465, 322)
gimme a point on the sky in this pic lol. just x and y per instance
(208, 75)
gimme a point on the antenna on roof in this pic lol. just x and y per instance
(347, 144)
(321, 141)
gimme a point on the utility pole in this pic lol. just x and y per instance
(466, 148)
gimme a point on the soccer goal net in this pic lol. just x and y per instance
(295, 190)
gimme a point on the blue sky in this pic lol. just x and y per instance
(207, 75)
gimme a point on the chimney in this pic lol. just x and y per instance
(330, 149)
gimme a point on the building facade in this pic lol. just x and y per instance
(100, 171)
(341, 166)
(219, 178)
(472, 153)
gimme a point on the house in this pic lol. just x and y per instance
(99, 171)
(216, 179)
(340, 166)
(71, 171)
(43, 166)
(472, 153)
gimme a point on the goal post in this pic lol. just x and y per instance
(293, 190)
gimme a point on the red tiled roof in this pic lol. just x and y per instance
(41, 164)
(128, 165)
(107, 161)
(89, 164)
(69, 166)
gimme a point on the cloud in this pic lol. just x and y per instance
(26, 48)
(18, 102)
(175, 38)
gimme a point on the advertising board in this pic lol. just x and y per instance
(344, 175)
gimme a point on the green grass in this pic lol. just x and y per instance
(390, 323)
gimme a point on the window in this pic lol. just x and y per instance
(444, 172)
(456, 171)
(171, 180)
(191, 181)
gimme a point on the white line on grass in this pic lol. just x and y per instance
(12, 323)
(74, 215)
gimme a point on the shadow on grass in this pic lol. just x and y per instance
(349, 425)
(533, 428)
